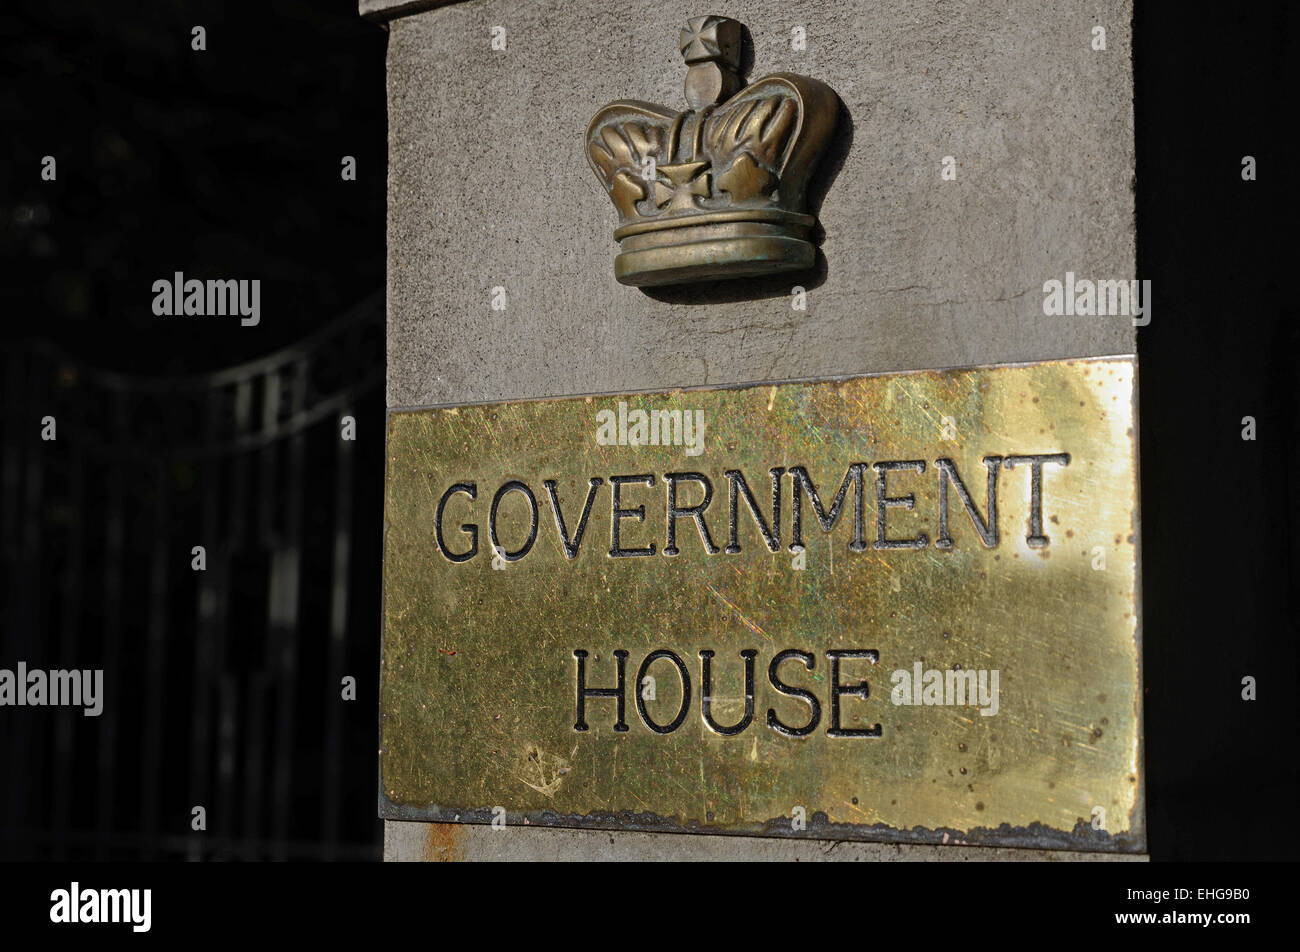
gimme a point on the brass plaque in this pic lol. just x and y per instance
(898, 607)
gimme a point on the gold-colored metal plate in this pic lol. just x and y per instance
(481, 656)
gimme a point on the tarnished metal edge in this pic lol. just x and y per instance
(1083, 838)
(1138, 815)
(752, 384)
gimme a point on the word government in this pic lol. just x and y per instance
(651, 428)
(570, 517)
(211, 298)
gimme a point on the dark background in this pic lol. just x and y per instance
(1220, 553)
(224, 685)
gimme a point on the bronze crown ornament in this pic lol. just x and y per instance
(717, 191)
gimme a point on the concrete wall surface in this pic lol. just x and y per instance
(489, 187)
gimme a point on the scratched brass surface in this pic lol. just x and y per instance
(478, 673)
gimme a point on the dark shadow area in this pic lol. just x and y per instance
(192, 519)
(1220, 514)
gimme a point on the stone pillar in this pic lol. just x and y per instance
(490, 192)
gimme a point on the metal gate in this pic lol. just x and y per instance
(222, 677)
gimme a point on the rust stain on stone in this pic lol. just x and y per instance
(443, 843)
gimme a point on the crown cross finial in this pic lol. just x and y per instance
(711, 48)
(711, 38)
